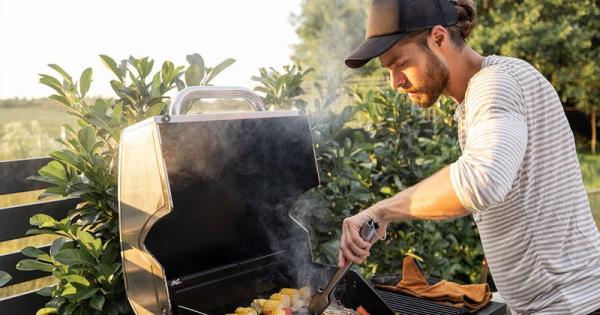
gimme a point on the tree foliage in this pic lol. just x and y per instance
(560, 38)
(329, 30)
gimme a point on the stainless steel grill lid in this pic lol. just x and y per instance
(224, 184)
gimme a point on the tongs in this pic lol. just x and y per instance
(321, 300)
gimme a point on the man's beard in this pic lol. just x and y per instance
(429, 88)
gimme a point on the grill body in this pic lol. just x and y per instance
(204, 202)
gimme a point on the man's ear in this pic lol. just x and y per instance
(439, 34)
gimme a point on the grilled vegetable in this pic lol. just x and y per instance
(292, 293)
(285, 300)
(245, 311)
(270, 305)
(257, 305)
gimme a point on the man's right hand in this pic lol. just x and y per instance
(353, 249)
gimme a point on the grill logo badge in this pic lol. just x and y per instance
(175, 282)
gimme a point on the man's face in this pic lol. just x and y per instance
(416, 70)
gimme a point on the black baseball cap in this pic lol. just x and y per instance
(391, 20)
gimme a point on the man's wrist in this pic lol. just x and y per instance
(377, 212)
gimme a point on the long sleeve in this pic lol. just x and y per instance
(496, 140)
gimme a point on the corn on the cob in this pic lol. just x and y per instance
(277, 311)
(292, 293)
(270, 305)
(257, 305)
(245, 311)
(285, 300)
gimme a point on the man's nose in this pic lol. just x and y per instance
(398, 79)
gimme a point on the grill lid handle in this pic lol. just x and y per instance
(218, 92)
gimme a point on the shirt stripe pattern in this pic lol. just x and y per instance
(520, 177)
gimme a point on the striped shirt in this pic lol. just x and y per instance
(520, 177)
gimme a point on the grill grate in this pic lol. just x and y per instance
(408, 305)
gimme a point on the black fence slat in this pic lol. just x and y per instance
(14, 173)
(24, 304)
(9, 262)
(14, 221)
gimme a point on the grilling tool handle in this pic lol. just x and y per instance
(367, 232)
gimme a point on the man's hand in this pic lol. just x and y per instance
(353, 249)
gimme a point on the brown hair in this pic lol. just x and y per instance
(467, 15)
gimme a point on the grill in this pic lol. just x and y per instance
(203, 203)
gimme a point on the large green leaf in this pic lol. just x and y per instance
(52, 83)
(37, 253)
(193, 75)
(42, 219)
(112, 65)
(87, 138)
(4, 278)
(62, 72)
(84, 81)
(93, 244)
(30, 264)
(57, 245)
(68, 157)
(73, 256)
(84, 292)
(77, 279)
(218, 69)
(97, 301)
(55, 170)
(46, 311)
(46, 291)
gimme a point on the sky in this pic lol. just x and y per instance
(74, 33)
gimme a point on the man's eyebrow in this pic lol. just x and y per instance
(394, 59)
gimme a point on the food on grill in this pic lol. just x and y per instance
(257, 304)
(290, 301)
(292, 293)
(245, 311)
(335, 309)
(305, 294)
(270, 305)
(285, 300)
(361, 310)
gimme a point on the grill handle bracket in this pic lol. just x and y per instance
(215, 92)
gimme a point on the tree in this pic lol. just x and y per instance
(561, 38)
(329, 30)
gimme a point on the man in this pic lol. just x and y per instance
(518, 174)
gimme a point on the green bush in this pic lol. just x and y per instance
(85, 259)
(370, 150)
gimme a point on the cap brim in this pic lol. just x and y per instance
(371, 48)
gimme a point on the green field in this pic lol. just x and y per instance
(49, 118)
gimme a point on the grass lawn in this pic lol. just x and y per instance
(590, 170)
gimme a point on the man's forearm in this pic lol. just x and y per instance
(433, 198)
